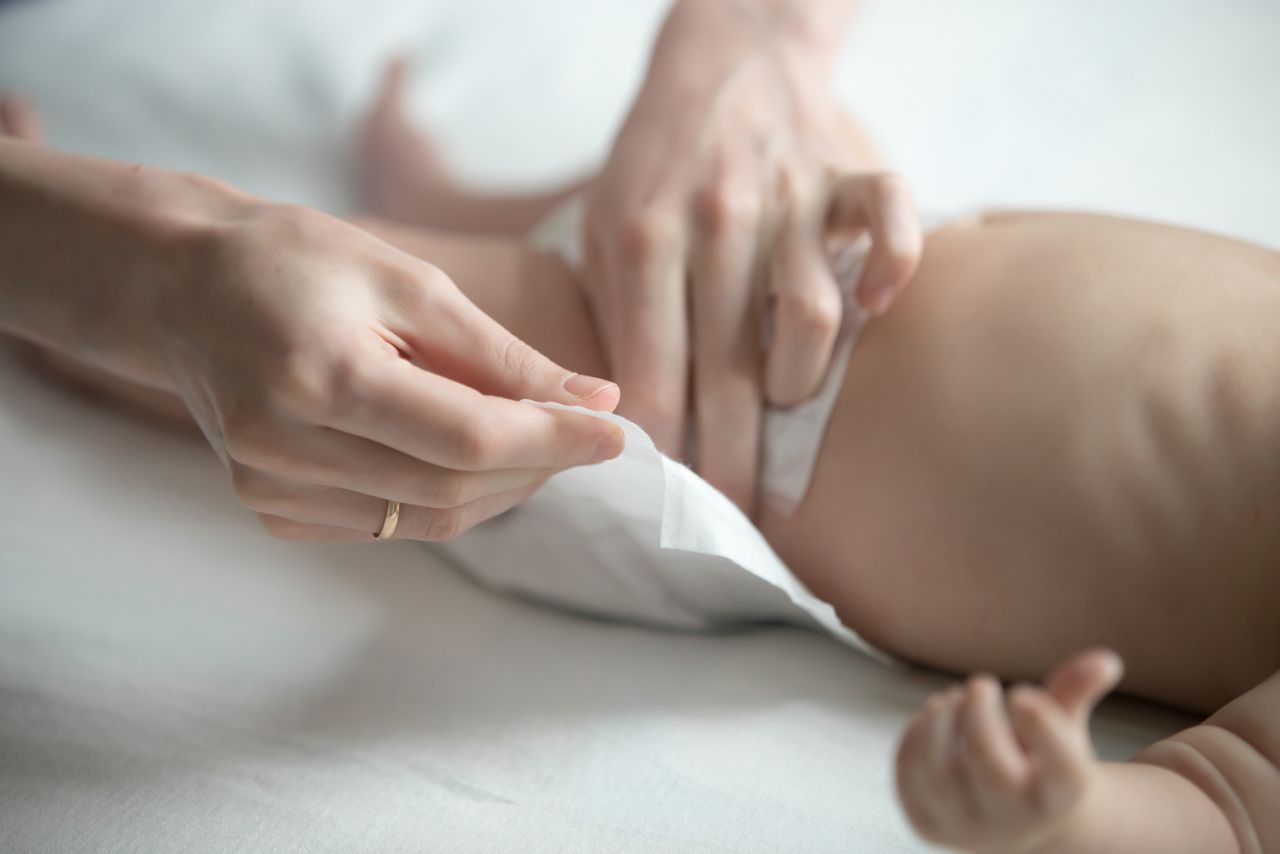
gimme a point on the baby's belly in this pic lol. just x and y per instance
(1067, 433)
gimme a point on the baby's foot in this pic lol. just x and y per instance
(402, 174)
(20, 119)
(971, 776)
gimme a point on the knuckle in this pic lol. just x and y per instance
(721, 209)
(814, 312)
(419, 289)
(643, 234)
(479, 443)
(408, 291)
(317, 389)
(248, 435)
(346, 380)
(445, 490)
(441, 525)
(884, 185)
(252, 488)
(516, 358)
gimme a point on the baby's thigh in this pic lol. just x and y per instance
(1065, 425)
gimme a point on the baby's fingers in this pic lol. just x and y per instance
(1083, 680)
(1058, 746)
(926, 785)
(997, 767)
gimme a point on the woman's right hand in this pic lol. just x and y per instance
(332, 372)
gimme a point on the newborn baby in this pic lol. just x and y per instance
(1065, 435)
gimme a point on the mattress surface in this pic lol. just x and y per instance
(173, 679)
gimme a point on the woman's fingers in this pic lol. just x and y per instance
(288, 529)
(454, 338)
(339, 510)
(726, 344)
(880, 204)
(807, 311)
(326, 457)
(439, 421)
(646, 318)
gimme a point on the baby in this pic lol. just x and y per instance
(1065, 435)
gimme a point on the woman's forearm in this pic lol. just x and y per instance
(85, 246)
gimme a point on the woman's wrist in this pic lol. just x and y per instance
(717, 34)
(811, 34)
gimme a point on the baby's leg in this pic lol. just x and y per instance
(972, 776)
(405, 178)
(532, 294)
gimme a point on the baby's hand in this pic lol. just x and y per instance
(972, 776)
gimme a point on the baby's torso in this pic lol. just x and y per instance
(1068, 432)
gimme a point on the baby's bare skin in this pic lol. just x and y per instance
(1068, 433)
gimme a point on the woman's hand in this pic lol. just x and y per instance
(715, 206)
(332, 372)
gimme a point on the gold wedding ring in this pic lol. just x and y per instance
(389, 521)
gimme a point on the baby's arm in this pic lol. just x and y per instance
(974, 777)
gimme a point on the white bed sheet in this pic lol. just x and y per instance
(172, 679)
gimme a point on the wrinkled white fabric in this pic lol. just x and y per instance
(644, 539)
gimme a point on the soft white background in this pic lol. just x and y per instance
(172, 679)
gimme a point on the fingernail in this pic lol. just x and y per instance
(585, 387)
(608, 446)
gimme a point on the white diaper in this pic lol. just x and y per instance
(642, 538)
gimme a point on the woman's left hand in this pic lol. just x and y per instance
(718, 197)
